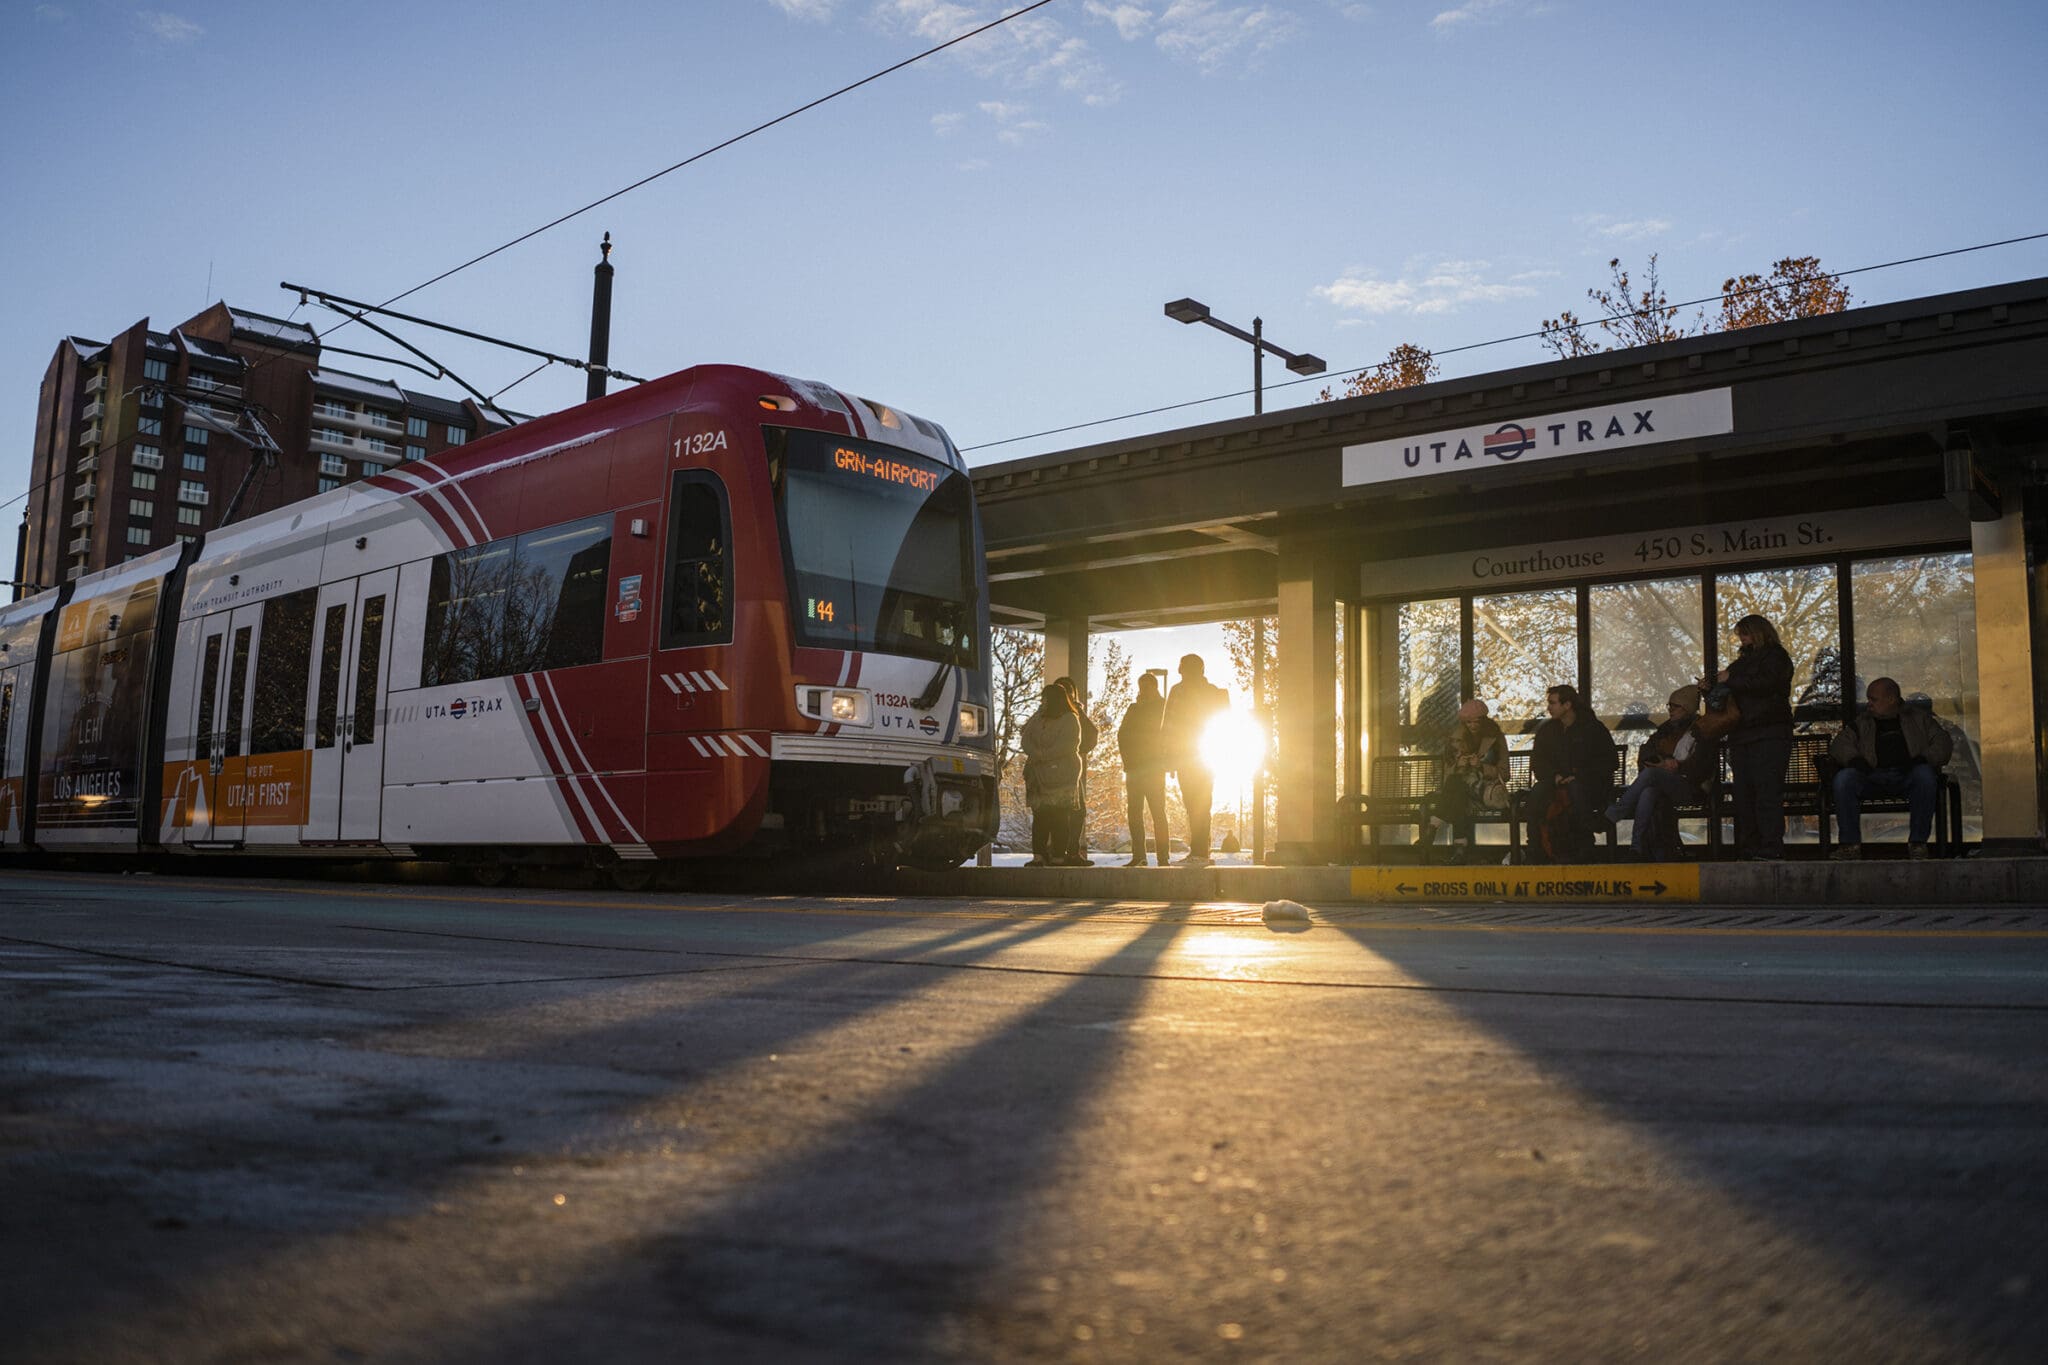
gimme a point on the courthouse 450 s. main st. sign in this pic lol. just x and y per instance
(1585, 431)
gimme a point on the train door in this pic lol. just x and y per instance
(219, 723)
(351, 680)
(14, 684)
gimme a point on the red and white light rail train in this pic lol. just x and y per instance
(721, 613)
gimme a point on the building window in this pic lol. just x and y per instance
(456, 436)
(141, 507)
(330, 435)
(184, 536)
(151, 398)
(333, 464)
(142, 481)
(195, 436)
(415, 452)
(195, 460)
(327, 407)
(416, 426)
(138, 535)
(329, 485)
(156, 370)
(188, 516)
(191, 490)
(148, 457)
(150, 426)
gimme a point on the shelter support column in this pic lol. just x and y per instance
(2005, 683)
(1066, 652)
(1306, 757)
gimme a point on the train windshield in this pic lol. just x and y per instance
(880, 546)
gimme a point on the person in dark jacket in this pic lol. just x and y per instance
(1761, 742)
(1571, 762)
(1076, 842)
(1671, 768)
(1141, 741)
(1193, 703)
(1889, 750)
(1051, 744)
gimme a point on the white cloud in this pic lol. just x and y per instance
(1013, 123)
(816, 10)
(1029, 51)
(166, 27)
(1474, 13)
(1623, 229)
(945, 124)
(1442, 288)
(974, 163)
(1208, 33)
(1132, 21)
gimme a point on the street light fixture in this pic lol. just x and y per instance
(1188, 310)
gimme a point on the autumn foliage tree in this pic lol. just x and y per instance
(1405, 366)
(1796, 287)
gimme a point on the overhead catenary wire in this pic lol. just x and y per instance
(1664, 309)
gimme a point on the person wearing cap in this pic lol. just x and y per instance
(1671, 768)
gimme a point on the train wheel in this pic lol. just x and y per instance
(489, 874)
(634, 876)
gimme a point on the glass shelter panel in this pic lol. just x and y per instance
(1801, 603)
(1523, 644)
(1647, 643)
(1429, 673)
(1916, 623)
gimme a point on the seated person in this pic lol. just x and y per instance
(1888, 751)
(1475, 767)
(1572, 763)
(1671, 768)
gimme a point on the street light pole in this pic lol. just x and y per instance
(1189, 310)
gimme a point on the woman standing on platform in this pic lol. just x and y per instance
(1761, 680)
(1051, 741)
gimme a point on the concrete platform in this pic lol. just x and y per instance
(1877, 882)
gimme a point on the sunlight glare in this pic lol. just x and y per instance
(1233, 748)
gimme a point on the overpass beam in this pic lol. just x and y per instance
(1306, 752)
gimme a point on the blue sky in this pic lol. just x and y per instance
(987, 238)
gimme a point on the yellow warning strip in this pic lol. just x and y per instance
(1566, 884)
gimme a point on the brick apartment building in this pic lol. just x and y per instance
(135, 445)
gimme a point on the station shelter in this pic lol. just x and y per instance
(1871, 481)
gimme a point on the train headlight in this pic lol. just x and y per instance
(973, 721)
(837, 705)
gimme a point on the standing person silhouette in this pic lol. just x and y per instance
(1192, 704)
(1051, 743)
(1076, 842)
(1141, 741)
(1761, 678)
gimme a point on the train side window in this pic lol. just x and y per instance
(557, 620)
(6, 722)
(466, 600)
(238, 680)
(698, 594)
(369, 661)
(330, 676)
(278, 712)
(209, 685)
